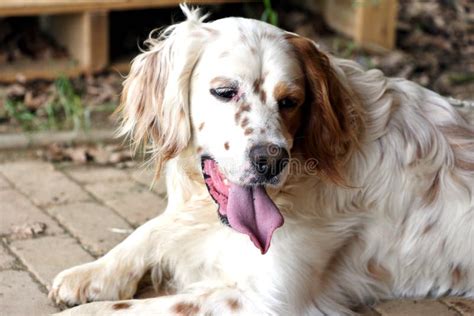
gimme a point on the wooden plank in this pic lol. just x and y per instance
(28, 70)
(371, 23)
(86, 37)
(375, 23)
(340, 15)
(97, 41)
(35, 7)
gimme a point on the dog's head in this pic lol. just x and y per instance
(247, 98)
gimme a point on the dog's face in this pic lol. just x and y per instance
(244, 98)
(246, 94)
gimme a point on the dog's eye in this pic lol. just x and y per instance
(224, 93)
(286, 103)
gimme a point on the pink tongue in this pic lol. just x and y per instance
(251, 211)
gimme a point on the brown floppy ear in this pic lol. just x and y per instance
(154, 107)
(332, 113)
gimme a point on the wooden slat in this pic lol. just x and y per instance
(34, 7)
(38, 70)
(340, 15)
(371, 23)
(375, 23)
(82, 27)
(86, 37)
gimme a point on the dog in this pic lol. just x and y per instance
(298, 183)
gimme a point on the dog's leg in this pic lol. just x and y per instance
(114, 276)
(224, 300)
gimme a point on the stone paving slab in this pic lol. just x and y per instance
(7, 261)
(463, 306)
(131, 200)
(415, 308)
(16, 209)
(20, 295)
(47, 256)
(94, 174)
(97, 227)
(4, 183)
(42, 183)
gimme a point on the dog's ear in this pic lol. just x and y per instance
(332, 113)
(154, 108)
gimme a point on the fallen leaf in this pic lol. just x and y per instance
(28, 230)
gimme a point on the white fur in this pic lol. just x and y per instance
(339, 247)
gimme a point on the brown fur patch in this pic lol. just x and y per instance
(244, 122)
(333, 114)
(456, 276)
(263, 96)
(433, 191)
(234, 304)
(294, 91)
(428, 228)
(237, 116)
(248, 131)
(186, 309)
(262, 131)
(253, 50)
(257, 84)
(199, 149)
(243, 108)
(226, 145)
(81, 292)
(201, 126)
(291, 117)
(118, 306)
(377, 271)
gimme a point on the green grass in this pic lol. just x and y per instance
(20, 113)
(269, 15)
(64, 110)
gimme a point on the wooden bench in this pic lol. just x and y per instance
(81, 26)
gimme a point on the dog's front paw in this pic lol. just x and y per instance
(94, 281)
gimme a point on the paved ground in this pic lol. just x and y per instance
(79, 213)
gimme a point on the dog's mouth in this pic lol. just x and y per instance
(247, 209)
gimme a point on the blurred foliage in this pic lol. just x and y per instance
(63, 110)
(269, 14)
(18, 111)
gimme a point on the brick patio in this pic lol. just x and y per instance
(87, 210)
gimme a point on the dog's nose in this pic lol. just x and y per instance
(269, 159)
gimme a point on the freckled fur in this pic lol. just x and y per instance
(248, 131)
(118, 306)
(186, 309)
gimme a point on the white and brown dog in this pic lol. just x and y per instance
(333, 186)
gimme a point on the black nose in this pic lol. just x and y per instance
(268, 159)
